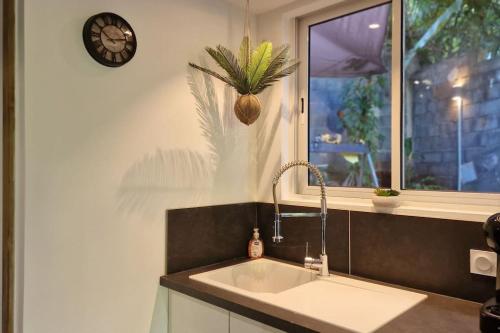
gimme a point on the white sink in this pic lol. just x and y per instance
(257, 276)
(336, 300)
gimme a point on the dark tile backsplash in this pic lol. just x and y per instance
(423, 253)
(206, 235)
(416, 252)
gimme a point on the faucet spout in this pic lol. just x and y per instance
(320, 264)
(314, 170)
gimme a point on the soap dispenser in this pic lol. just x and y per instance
(255, 245)
(489, 321)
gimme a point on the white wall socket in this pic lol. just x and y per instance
(483, 262)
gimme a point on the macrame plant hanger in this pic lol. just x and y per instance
(247, 108)
(246, 32)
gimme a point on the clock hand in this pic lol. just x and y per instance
(109, 38)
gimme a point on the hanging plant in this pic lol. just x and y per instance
(251, 72)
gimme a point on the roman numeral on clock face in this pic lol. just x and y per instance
(98, 44)
(100, 22)
(104, 53)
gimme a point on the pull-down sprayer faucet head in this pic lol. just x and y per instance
(314, 170)
(320, 264)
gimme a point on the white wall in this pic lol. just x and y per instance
(271, 125)
(272, 128)
(106, 150)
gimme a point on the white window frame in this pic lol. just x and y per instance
(442, 204)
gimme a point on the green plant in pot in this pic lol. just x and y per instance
(386, 192)
(385, 198)
(250, 73)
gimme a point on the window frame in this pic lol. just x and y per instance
(297, 144)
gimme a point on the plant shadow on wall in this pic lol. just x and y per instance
(267, 130)
(177, 178)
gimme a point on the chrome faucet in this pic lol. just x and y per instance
(320, 264)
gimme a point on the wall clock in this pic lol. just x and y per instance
(109, 39)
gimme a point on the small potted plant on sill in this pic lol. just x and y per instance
(385, 198)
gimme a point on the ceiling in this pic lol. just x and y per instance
(261, 6)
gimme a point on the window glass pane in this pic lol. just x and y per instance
(350, 98)
(451, 105)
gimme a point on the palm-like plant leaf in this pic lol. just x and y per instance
(269, 80)
(227, 61)
(244, 55)
(239, 73)
(253, 71)
(286, 71)
(261, 57)
(212, 73)
(279, 61)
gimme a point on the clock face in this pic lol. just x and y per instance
(109, 39)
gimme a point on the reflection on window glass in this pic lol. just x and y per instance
(451, 105)
(349, 98)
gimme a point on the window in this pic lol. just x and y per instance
(404, 96)
(451, 133)
(349, 98)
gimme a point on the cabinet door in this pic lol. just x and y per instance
(239, 324)
(189, 315)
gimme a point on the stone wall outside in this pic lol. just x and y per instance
(434, 122)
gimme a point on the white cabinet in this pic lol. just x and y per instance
(239, 324)
(189, 315)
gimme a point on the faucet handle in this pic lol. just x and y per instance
(277, 239)
(310, 262)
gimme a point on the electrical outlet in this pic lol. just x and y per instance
(483, 262)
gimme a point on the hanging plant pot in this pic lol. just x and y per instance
(247, 108)
(251, 71)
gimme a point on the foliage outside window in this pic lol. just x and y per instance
(451, 105)
(349, 98)
(450, 108)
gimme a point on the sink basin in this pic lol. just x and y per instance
(258, 276)
(336, 300)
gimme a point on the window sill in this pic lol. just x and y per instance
(473, 213)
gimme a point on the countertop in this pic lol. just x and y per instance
(436, 314)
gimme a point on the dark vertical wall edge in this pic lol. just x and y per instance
(8, 165)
